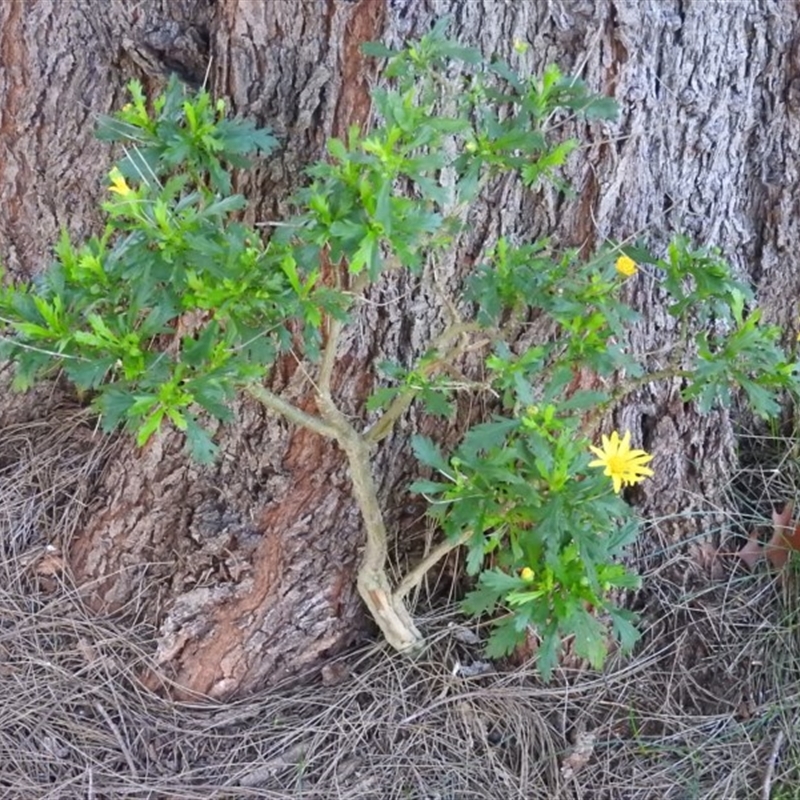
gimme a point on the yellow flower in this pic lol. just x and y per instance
(624, 466)
(526, 574)
(119, 184)
(626, 266)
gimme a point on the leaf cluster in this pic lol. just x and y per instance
(517, 487)
(177, 303)
(734, 350)
(392, 196)
(519, 490)
(182, 134)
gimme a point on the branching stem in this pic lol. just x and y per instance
(383, 426)
(290, 412)
(388, 610)
(631, 386)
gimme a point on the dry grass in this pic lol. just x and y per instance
(707, 707)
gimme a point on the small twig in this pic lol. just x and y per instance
(329, 357)
(335, 327)
(773, 759)
(383, 426)
(292, 413)
(596, 417)
(413, 578)
(388, 611)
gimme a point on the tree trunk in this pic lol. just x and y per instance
(248, 568)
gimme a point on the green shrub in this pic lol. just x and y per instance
(178, 305)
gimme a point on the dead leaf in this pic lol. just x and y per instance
(708, 557)
(580, 755)
(752, 551)
(334, 674)
(51, 563)
(785, 537)
(86, 650)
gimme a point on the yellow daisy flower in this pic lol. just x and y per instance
(626, 266)
(624, 466)
(118, 183)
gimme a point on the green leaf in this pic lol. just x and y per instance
(212, 396)
(141, 404)
(436, 402)
(241, 136)
(89, 373)
(504, 639)
(502, 69)
(201, 447)
(149, 426)
(547, 653)
(590, 638)
(35, 331)
(113, 405)
(112, 129)
(428, 487)
(177, 418)
(583, 399)
(197, 352)
(624, 629)
(488, 435)
(348, 230)
(499, 581)
(225, 206)
(480, 600)
(428, 453)
(337, 149)
(383, 207)
(469, 55)
(475, 555)
(381, 398)
(377, 50)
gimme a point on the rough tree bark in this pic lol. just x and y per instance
(248, 568)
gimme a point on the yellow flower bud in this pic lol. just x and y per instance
(626, 266)
(118, 184)
(526, 574)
